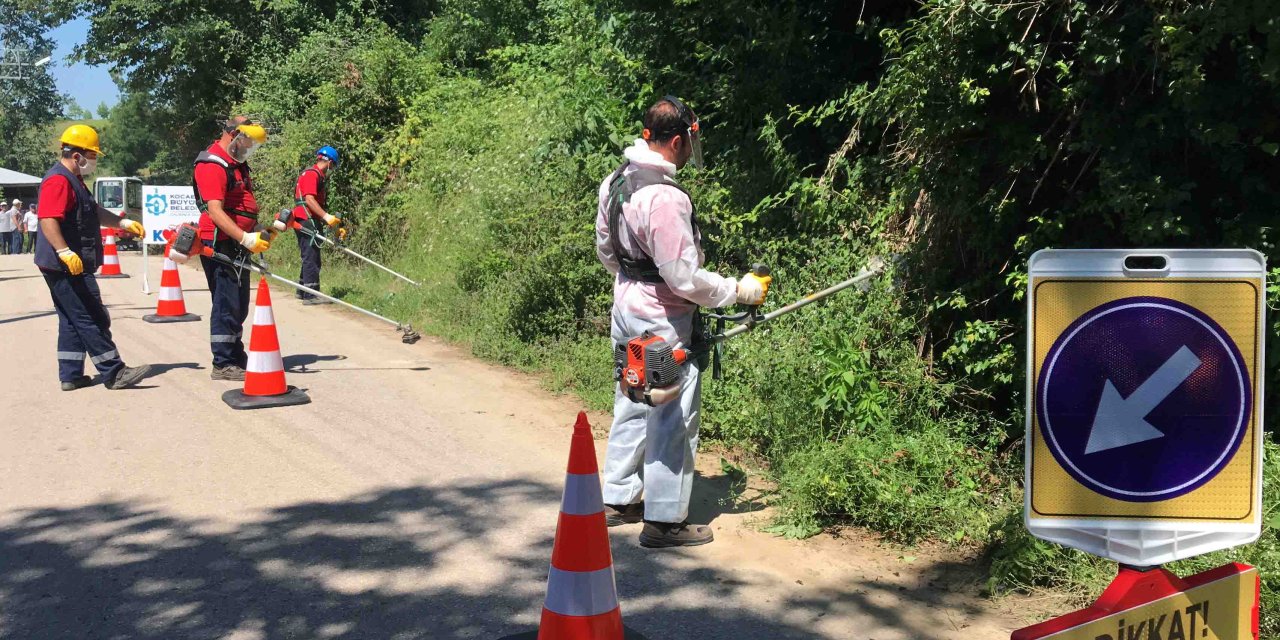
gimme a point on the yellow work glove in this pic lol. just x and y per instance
(332, 220)
(134, 227)
(255, 242)
(73, 262)
(752, 289)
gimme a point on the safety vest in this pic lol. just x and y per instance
(322, 191)
(232, 183)
(79, 226)
(621, 188)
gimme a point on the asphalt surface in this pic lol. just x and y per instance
(415, 497)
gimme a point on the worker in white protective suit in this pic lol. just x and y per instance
(647, 236)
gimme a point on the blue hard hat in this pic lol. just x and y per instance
(329, 152)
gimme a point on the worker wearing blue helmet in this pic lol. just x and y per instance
(310, 202)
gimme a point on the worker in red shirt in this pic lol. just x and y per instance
(229, 224)
(311, 197)
(68, 252)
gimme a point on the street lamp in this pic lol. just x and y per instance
(42, 61)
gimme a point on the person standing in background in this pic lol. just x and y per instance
(30, 226)
(8, 227)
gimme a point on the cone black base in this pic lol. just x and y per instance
(236, 399)
(118, 275)
(533, 635)
(186, 317)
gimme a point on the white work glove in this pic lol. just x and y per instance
(331, 219)
(256, 242)
(752, 289)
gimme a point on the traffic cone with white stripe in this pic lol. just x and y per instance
(582, 598)
(170, 307)
(264, 384)
(110, 257)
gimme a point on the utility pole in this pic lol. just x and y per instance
(15, 61)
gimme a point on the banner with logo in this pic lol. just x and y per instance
(165, 208)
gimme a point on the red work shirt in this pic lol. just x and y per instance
(56, 198)
(211, 182)
(309, 185)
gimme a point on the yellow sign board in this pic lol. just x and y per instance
(1144, 401)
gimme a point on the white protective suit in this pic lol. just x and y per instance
(651, 449)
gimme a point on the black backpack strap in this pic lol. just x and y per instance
(208, 158)
(622, 186)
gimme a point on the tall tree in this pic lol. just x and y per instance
(31, 103)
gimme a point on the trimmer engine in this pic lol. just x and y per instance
(186, 243)
(283, 221)
(648, 369)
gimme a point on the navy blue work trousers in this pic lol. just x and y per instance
(84, 327)
(229, 288)
(310, 275)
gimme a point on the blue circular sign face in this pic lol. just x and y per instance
(1143, 399)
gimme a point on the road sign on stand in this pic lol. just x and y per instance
(1221, 604)
(1144, 401)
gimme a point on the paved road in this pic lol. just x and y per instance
(414, 498)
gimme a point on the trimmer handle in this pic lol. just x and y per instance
(761, 271)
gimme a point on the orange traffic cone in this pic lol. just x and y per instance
(264, 384)
(170, 307)
(582, 598)
(110, 258)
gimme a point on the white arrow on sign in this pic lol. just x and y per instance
(1121, 422)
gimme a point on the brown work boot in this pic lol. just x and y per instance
(620, 514)
(128, 377)
(660, 535)
(231, 373)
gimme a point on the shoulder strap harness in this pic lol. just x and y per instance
(621, 188)
(206, 157)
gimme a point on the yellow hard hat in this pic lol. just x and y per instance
(81, 136)
(255, 132)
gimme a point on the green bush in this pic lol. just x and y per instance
(952, 137)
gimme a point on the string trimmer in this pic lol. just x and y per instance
(186, 243)
(647, 367)
(284, 220)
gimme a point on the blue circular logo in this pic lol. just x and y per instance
(1143, 399)
(157, 204)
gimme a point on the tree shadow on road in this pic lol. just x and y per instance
(29, 316)
(379, 565)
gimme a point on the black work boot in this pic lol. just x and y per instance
(620, 514)
(79, 383)
(660, 535)
(128, 377)
(231, 373)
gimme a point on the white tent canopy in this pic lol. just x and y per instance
(14, 179)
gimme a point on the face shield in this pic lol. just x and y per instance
(248, 138)
(242, 147)
(693, 132)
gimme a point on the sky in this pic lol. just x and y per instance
(88, 85)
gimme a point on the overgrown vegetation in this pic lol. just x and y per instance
(953, 136)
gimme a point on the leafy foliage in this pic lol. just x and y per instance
(952, 137)
(31, 104)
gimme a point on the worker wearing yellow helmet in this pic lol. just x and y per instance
(68, 252)
(229, 224)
